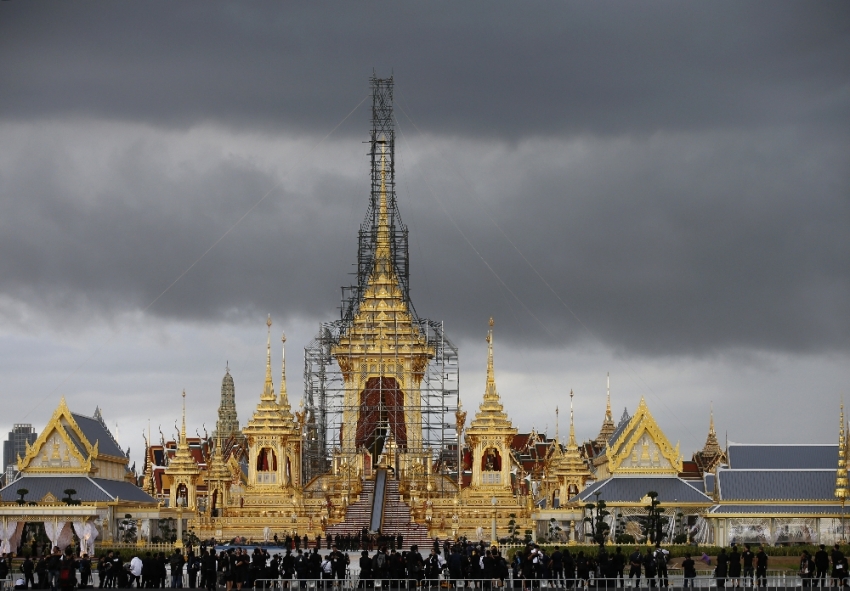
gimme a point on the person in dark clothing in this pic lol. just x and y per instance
(721, 571)
(635, 563)
(735, 566)
(557, 564)
(365, 569)
(41, 572)
(839, 570)
(415, 564)
(761, 567)
(821, 560)
(287, 565)
(339, 562)
(747, 557)
(807, 570)
(85, 571)
(569, 569)
(619, 564)
(689, 571)
(67, 571)
(649, 568)
(27, 568)
(209, 568)
(193, 567)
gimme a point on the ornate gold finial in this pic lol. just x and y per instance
(284, 398)
(268, 388)
(183, 428)
(490, 391)
(557, 427)
(841, 491)
(572, 424)
(608, 427)
(608, 395)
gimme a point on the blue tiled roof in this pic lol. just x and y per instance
(782, 457)
(88, 489)
(94, 430)
(621, 426)
(778, 509)
(630, 489)
(709, 482)
(776, 485)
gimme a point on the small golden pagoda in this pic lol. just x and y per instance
(181, 475)
(608, 427)
(841, 472)
(567, 466)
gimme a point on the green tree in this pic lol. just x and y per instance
(596, 519)
(22, 492)
(654, 521)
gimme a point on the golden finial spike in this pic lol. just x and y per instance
(284, 398)
(183, 428)
(491, 378)
(608, 403)
(268, 388)
(711, 418)
(572, 423)
(557, 427)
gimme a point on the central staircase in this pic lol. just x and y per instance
(396, 517)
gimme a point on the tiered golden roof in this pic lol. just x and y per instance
(491, 416)
(270, 415)
(568, 462)
(383, 324)
(217, 469)
(183, 463)
(608, 427)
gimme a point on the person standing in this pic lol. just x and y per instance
(365, 569)
(415, 564)
(661, 566)
(649, 567)
(635, 562)
(85, 571)
(839, 572)
(27, 569)
(689, 571)
(53, 568)
(136, 566)
(193, 566)
(721, 571)
(761, 567)
(807, 570)
(209, 568)
(821, 560)
(747, 557)
(735, 566)
(177, 561)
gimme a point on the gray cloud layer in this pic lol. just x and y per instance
(493, 69)
(676, 172)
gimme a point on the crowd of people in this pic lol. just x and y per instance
(455, 562)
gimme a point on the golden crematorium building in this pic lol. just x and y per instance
(380, 443)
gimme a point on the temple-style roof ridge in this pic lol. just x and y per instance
(642, 448)
(491, 415)
(383, 323)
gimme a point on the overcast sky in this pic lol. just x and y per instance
(659, 190)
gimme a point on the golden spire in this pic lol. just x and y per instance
(572, 442)
(841, 472)
(557, 428)
(712, 447)
(183, 427)
(284, 398)
(268, 388)
(383, 263)
(490, 389)
(183, 461)
(491, 414)
(608, 427)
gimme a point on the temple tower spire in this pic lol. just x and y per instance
(608, 426)
(268, 387)
(284, 398)
(228, 421)
(841, 489)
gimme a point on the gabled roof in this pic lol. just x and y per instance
(94, 430)
(629, 489)
(783, 456)
(776, 485)
(89, 490)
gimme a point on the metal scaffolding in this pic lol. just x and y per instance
(324, 386)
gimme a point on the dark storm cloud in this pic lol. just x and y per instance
(677, 173)
(503, 70)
